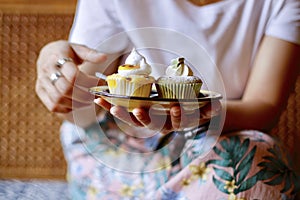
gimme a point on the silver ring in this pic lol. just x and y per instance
(55, 76)
(60, 62)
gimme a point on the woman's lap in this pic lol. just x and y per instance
(242, 165)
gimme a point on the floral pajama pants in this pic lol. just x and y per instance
(104, 163)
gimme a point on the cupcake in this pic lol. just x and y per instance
(133, 77)
(179, 82)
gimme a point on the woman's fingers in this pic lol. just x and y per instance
(176, 119)
(142, 116)
(138, 117)
(54, 99)
(86, 54)
(122, 114)
(75, 77)
(211, 109)
(60, 84)
(49, 103)
(65, 84)
(152, 120)
(104, 104)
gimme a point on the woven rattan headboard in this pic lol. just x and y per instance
(288, 127)
(29, 135)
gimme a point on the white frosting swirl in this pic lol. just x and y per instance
(178, 68)
(136, 59)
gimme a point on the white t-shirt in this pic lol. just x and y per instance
(230, 32)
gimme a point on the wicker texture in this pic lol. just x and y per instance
(29, 134)
(288, 127)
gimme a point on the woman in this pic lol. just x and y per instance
(255, 46)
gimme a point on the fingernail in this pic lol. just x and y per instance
(97, 101)
(112, 110)
(176, 112)
(96, 56)
(136, 112)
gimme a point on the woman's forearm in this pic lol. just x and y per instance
(241, 115)
(273, 75)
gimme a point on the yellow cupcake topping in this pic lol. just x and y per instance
(128, 67)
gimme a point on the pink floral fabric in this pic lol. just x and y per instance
(104, 163)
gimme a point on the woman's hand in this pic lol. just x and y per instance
(60, 85)
(178, 119)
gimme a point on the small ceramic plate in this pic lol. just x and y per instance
(158, 105)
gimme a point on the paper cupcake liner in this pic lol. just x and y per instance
(178, 91)
(127, 88)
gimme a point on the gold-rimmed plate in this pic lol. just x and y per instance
(158, 105)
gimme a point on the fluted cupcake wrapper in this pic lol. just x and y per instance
(128, 88)
(178, 90)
